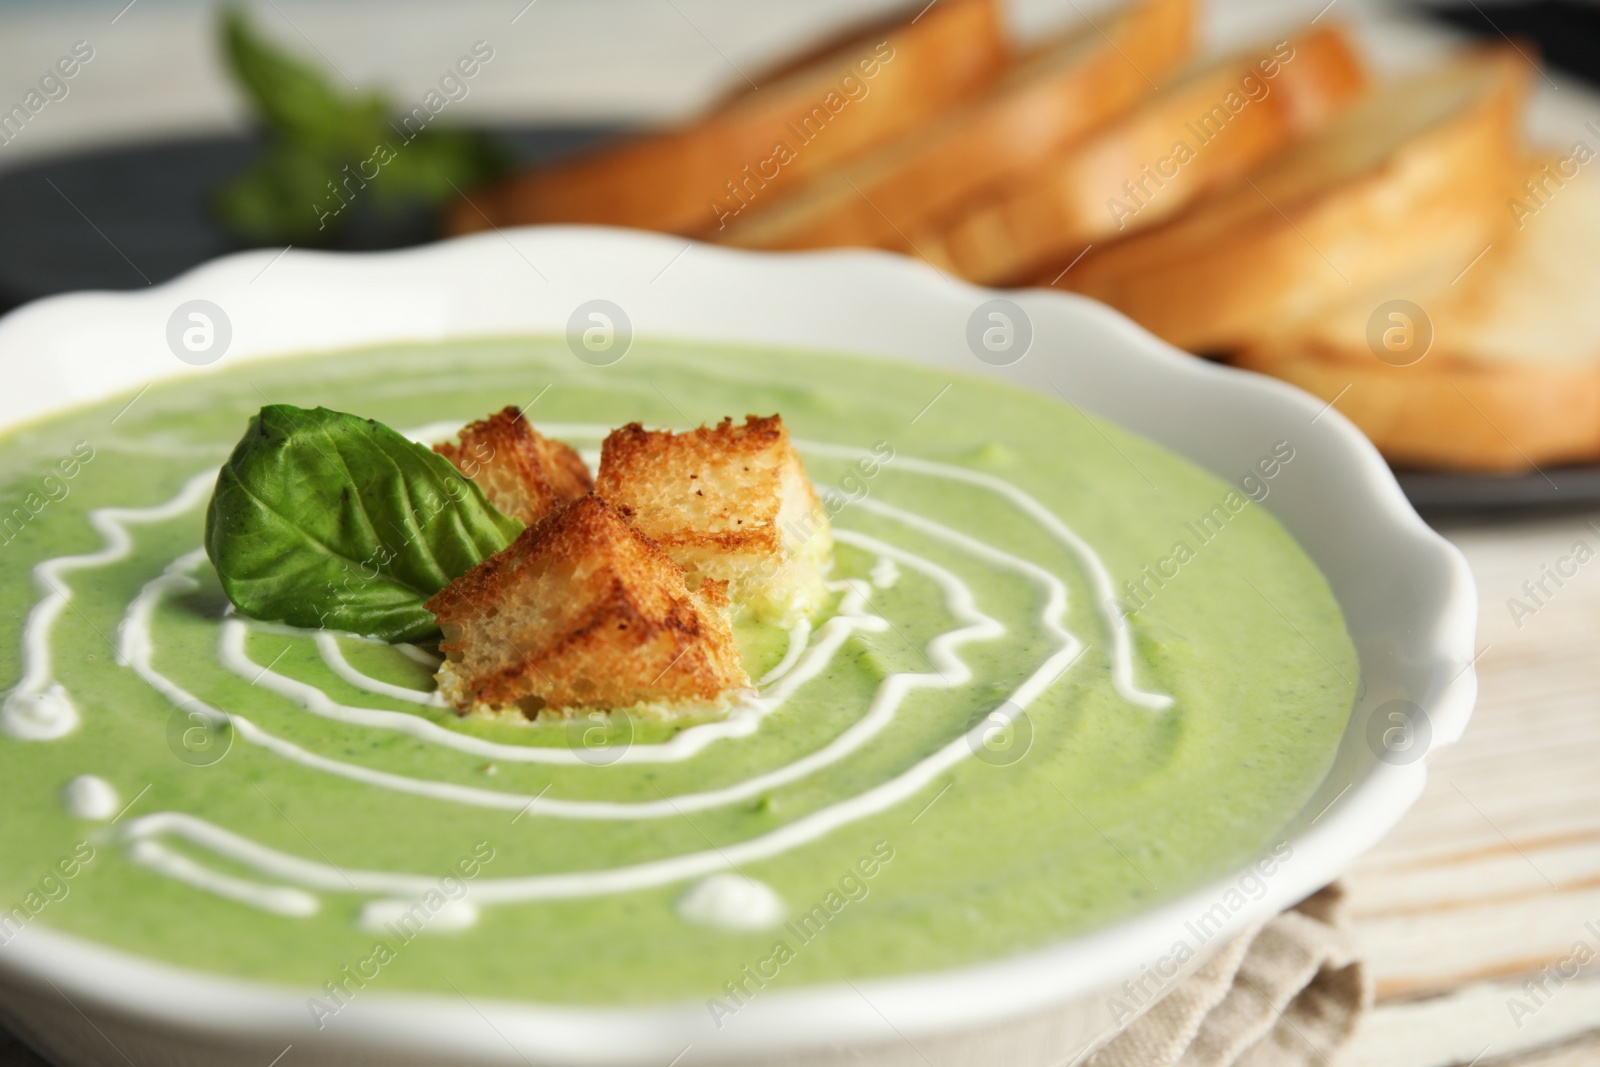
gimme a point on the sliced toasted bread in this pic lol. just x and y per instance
(1416, 174)
(730, 503)
(741, 156)
(1046, 102)
(1511, 378)
(1195, 136)
(583, 611)
(1527, 298)
(523, 473)
(1470, 417)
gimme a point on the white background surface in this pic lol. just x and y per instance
(156, 72)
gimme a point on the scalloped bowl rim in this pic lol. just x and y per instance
(55, 354)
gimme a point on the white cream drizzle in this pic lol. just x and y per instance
(1104, 589)
(419, 655)
(90, 797)
(277, 899)
(38, 709)
(576, 884)
(950, 671)
(742, 721)
(415, 916)
(803, 660)
(799, 638)
(333, 656)
(1099, 578)
(637, 876)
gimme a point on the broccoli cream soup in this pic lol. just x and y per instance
(1060, 674)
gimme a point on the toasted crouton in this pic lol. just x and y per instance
(729, 503)
(583, 611)
(525, 475)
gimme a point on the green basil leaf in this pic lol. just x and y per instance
(292, 97)
(323, 519)
(326, 145)
(437, 162)
(277, 198)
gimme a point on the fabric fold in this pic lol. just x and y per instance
(1288, 993)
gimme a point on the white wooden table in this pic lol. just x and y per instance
(1495, 874)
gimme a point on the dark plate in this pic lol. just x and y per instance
(1436, 493)
(1564, 33)
(129, 217)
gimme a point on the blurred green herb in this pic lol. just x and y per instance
(329, 150)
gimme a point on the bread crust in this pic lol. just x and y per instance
(1267, 256)
(1072, 200)
(523, 473)
(728, 502)
(673, 181)
(1050, 100)
(1453, 415)
(1510, 377)
(583, 611)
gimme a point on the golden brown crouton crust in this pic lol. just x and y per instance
(582, 610)
(727, 502)
(524, 474)
(647, 471)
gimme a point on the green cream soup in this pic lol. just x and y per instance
(1062, 675)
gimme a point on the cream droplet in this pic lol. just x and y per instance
(42, 716)
(732, 902)
(89, 797)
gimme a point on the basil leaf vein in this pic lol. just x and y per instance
(322, 519)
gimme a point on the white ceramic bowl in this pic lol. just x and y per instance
(1407, 596)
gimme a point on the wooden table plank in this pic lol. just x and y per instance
(1584, 1052)
(1493, 879)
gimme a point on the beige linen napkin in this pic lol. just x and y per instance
(1285, 994)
